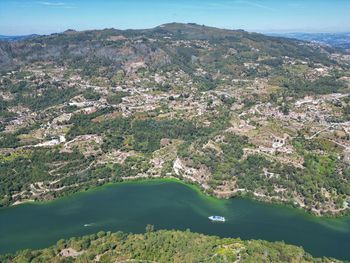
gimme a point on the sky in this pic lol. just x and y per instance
(22, 17)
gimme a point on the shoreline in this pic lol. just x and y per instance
(224, 207)
(195, 187)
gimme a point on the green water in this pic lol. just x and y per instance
(129, 207)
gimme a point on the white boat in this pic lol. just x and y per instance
(217, 218)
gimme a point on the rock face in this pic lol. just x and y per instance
(199, 176)
(70, 252)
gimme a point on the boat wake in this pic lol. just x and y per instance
(217, 219)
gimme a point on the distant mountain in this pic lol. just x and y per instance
(159, 46)
(17, 38)
(340, 40)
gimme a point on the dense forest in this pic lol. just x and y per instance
(162, 246)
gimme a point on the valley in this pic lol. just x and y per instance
(236, 113)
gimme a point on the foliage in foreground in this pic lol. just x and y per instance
(164, 246)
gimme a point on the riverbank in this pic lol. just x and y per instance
(167, 204)
(200, 188)
(243, 193)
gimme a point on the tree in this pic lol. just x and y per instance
(149, 228)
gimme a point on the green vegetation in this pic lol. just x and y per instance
(324, 85)
(163, 246)
(19, 170)
(82, 109)
(117, 97)
(143, 136)
(91, 107)
(38, 97)
(90, 94)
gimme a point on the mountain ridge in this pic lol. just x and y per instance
(92, 40)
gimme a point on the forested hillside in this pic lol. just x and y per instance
(163, 246)
(234, 112)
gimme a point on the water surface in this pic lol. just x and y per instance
(129, 207)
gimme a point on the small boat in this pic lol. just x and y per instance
(217, 218)
(86, 225)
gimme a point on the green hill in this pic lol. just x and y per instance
(163, 246)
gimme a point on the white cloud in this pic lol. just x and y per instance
(55, 4)
(52, 3)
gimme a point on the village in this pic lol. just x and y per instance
(257, 107)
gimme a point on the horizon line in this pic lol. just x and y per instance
(261, 31)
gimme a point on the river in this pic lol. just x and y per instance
(168, 204)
